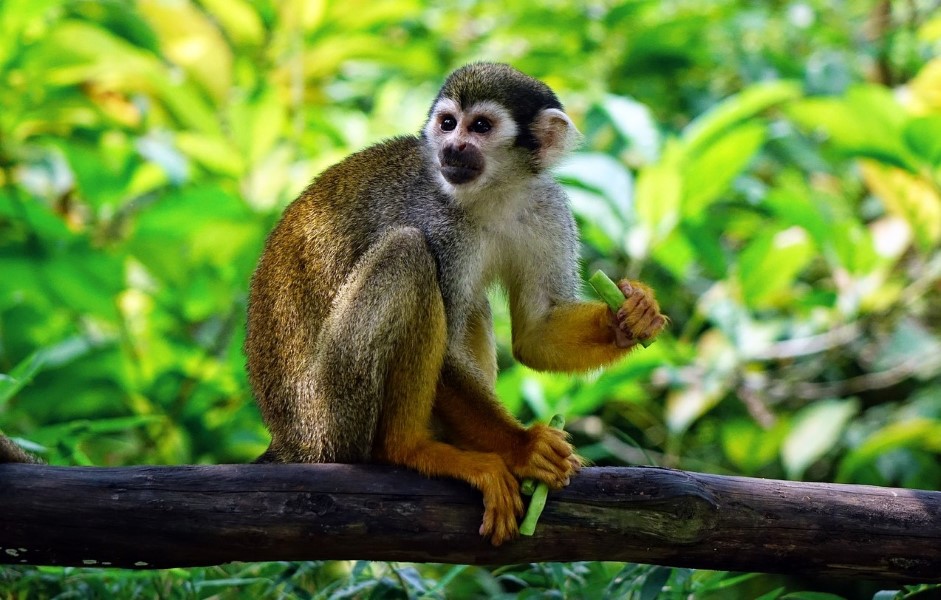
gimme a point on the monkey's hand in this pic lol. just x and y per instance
(546, 456)
(639, 317)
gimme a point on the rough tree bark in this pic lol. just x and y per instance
(154, 517)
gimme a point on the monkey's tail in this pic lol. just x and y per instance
(11, 453)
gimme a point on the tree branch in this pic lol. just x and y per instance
(157, 517)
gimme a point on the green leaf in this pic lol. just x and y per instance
(86, 281)
(749, 446)
(22, 374)
(817, 429)
(923, 136)
(851, 244)
(918, 432)
(192, 228)
(79, 429)
(866, 122)
(716, 365)
(676, 253)
(658, 195)
(811, 596)
(910, 338)
(709, 172)
(772, 595)
(190, 39)
(600, 190)
(213, 152)
(706, 128)
(257, 122)
(771, 263)
(654, 582)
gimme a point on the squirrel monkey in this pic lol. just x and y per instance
(369, 332)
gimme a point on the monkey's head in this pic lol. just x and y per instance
(491, 123)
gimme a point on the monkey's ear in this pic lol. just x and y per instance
(557, 135)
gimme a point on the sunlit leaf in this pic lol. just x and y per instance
(816, 430)
(606, 203)
(303, 14)
(908, 196)
(212, 152)
(77, 51)
(635, 123)
(256, 122)
(239, 20)
(675, 253)
(189, 38)
(602, 173)
(851, 244)
(925, 88)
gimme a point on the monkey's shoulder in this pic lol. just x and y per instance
(394, 159)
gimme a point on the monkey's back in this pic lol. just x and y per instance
(309, 255)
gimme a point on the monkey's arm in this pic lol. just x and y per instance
(552, 329)
(571, 336)
(578, 336)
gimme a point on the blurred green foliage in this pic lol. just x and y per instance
(772, 169)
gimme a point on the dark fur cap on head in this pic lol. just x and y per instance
(522, 95)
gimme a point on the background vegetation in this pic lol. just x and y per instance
(772, 168)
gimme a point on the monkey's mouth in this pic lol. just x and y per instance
(461, 164)
(456, 174)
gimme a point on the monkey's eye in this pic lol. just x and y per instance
(481, 125)
(448, 123)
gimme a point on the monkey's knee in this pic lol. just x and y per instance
(392, 292)
(402, 254)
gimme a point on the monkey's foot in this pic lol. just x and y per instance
(639, 317)
(546, 456)
(502, 503)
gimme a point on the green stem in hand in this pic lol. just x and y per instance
(538, 502)
(611, 294)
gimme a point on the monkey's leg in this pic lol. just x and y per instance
(391, 316)
(474, 418)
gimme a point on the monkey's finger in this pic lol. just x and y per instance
(551, 473)
(653, 329)
(556, 451)
(557, 441)
(640, 321)
(549, 441)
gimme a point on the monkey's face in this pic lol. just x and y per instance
(471, 146)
